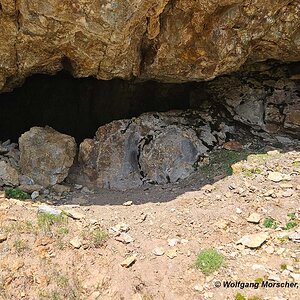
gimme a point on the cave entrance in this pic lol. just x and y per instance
(77, 107)
(188, 121)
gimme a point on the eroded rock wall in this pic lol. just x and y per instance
(266, 98)
(167, 40)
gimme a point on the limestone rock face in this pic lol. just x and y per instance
(46, 155)
(168, 40)
(268, 100)
(154, 148)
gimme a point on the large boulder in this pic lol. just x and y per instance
(180, 40)
(171, 154)
(111, 159)
(8, 175)
(154, 148)
(46, 155)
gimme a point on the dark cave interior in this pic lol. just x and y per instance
(79, 106)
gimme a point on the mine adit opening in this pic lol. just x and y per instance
(78, 106)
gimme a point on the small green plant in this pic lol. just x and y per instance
(239, 296)
(46, 220)
(283, 266)
(290, 225)
(20, 246)
(292, 215)
(296, 163)
(16, 193)
(209, 261)
(19, 227)
(55, 296)
(62, 281)
(62, 231)
(96, 237)
(99, 237)
(270, 223)
(255, 298)
(252, 171)
(283, 238)
(259, 280)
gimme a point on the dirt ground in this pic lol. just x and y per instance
(163, 229)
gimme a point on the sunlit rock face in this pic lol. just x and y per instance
(167, 40)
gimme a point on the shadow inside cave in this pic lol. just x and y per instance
(79, 106)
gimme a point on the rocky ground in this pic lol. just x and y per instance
(143, 243)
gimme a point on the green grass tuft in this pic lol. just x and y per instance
(46, 220)
(283, 266)
(290, 225)
(270, 223)
(292, 215)
(16, 194)
(259, 280)
(239, 296)
(209, 261)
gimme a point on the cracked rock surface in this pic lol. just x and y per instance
(46, 155)
(167, 40)
(153, 148)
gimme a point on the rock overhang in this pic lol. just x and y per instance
(165, 40)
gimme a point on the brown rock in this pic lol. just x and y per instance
(8, 175)
(180, 41)
(46, 155)
(171, 253)
(254, 218)
(128, 261)
(60, 188)
(76, 242)
(30, 188)
(233, 145)
(3, 237)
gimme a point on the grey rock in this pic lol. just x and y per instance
(35, 195)
(254, 218)
(155, 148)
(171, 155)
(49, 210)
(25, 180)
(125, 238)
(295, 237)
